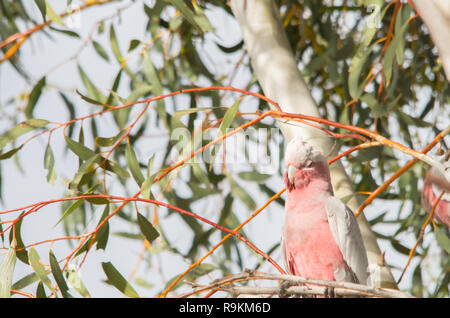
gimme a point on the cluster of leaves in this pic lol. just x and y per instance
(338, 64)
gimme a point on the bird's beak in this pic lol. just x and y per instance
(291, 172)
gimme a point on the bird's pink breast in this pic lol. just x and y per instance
(310, 248)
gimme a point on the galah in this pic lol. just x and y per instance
(433, 186)
(321, 238)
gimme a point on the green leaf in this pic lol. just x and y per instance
(229, 116)
(6, 272)
(15, 235)
(89, 100)
(49, 164)
(114, 88)
(371, 25)
(133, 44)
(224, 125)
(103, 232)
(10, 153)
(396, 43)
(243, 195)
(202, 20)
(377, 110)
(231, 49)
(152, 77)
(115, 44)
(402, 18)
(39, 269)
(65, 32)
(356, 67)
(194, 110)
(95, 96)
(133, 165)
(410, 120)
(84, 169)
(57, 274)
(69, 210)
(147, 184)
(147, 228)
(118, 281)
(193, 275)
(97, 201)
(25, 281)
(85, 153)
(40, 291)
(75, 281)
(190, 16)
(21, 129)
(100, 50)
(253, 176)
(42, 8)
(443, 239)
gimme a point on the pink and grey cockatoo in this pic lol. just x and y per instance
(321, 238)
(433, 186)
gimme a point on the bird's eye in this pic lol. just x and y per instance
(309, 163)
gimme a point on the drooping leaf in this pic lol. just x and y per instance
(39, 269)
(6, 272)
(100, 50)
(133, 165)
(397, 42)
(40, 291)
(242, 194)
(226, 123)
(42, 8)
(70, 33)
(147, 184)
(152, 77)
(95, 96)
(86, 168)
(21, 129)
(85, 153)
(49, 164)
(10, 153)
(193, 275)
(115, 44)
(74, 280)
(443, 240)
(103, 232)
(69, 211)
(15, 235)
(25, 281)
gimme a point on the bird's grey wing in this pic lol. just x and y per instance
(345, 230)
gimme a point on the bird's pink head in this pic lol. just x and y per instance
(304, 163)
